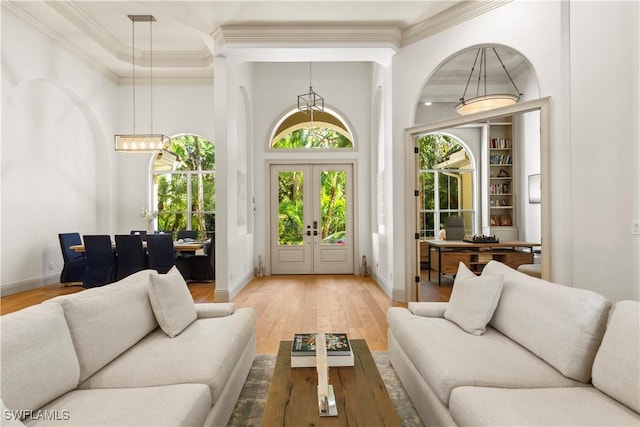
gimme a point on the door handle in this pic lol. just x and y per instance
(315, 225)
(308, 230)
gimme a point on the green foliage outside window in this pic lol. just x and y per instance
(189, 189)
(433, 150)
(313, 138)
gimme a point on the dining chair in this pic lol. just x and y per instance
(187, 234)
(75, 263)
(131, 254)
(199, 268)
(161, 254)
(101, 261)
(141, 233)
(183, 235)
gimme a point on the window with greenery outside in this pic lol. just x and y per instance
(185, 195)
(313, 137)
(442, 186)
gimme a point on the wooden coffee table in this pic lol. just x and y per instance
(361, 396)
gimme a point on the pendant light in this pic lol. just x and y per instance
(134, 142)
(484, 101)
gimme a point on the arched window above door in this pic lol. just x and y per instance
(320, 130)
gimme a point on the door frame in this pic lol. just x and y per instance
(310, 162)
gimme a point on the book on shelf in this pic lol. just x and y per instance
(303, 350)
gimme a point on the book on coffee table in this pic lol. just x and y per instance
(303, 350)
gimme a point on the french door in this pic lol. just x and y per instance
(312, 219)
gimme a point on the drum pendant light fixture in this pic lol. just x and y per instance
(483, 101)
(141, 143)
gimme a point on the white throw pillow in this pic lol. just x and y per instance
(172, 302)
(473, 300)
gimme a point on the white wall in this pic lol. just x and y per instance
(59, 170)
(346, 88)
(579, 60)
(604, 147)
(57, 155)
(177, 110)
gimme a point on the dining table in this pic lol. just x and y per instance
(178, 245)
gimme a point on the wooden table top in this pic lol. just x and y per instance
(177, 246)
(461, 244)
(361, 395)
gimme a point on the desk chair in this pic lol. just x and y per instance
(454, 227)
(75, 263)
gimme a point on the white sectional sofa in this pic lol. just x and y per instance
(137, 352)
(509, 349)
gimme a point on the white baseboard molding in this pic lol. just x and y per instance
(25, 285)
(226, 295)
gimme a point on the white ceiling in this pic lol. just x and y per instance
(101, 33)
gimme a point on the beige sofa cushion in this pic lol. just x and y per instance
(176, 405)
(38, 361)
(205, 352)
(616, 369)
(573, 406)
(560, 324)
(172, 302)
(106, 321)
(473, 300)
(448, 357)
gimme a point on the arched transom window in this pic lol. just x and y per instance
(319, 130)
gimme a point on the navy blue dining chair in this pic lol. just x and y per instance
(199, 268)
(141, 233)
(131, 254)
(75, 263)
(101, 261)
(160, 251)
(184, 235)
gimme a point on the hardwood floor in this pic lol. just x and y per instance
(289, 304)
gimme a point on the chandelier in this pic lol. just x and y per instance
(310, 101)
(141, 143)
(483, 101)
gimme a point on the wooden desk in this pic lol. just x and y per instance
(475, 255)
(361, 395)
(178, 247)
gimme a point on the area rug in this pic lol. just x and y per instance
(250, 405)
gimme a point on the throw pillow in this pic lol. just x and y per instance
(473, 300)
(171, 301)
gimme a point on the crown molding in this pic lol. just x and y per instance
(38, 27)
(326, 36)
(449, 18)
(167, 81)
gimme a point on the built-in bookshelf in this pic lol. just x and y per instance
(502, 188)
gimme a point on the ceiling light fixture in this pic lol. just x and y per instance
(141, 143)
(311, 101)
(484, 102)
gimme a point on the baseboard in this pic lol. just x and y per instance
(226, 295)
(25, 285)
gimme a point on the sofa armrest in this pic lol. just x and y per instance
(214, 309)
(428, 309)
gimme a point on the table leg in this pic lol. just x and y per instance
(439, 266)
